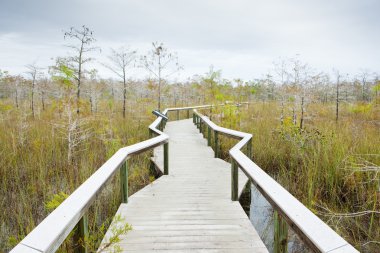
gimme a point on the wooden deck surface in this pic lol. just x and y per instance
(190, 210)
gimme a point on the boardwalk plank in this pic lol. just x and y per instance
(189, 210)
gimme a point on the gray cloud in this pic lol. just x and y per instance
(241, 37)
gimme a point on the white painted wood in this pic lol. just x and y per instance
(191, 107)
(190, 210)
(196, 250)
(24, 249)
(201, 202)
(317, 234)
(53, 230)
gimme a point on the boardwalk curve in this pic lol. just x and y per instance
(189, 210)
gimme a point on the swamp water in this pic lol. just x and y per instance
(261, 215)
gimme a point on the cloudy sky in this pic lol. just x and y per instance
(241, 37)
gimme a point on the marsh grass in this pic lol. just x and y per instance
(34, 166)
(331, 167)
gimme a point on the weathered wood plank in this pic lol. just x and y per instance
(189, 210)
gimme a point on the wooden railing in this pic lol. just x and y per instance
(71, 213)
(316, 234)
(54, 229)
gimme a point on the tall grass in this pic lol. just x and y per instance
(34, 168)
(332, 167)
(327, 165)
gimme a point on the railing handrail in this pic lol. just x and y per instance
(312, 230)
(53, 230)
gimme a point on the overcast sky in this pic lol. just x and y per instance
(240, 37)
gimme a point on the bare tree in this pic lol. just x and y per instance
(157, 61)
(280, 67)
(364, 76)
(270, 84)
(300, 77)
(337, 96)
(33, 71)
(376, 88)
(11, 86)
(17, 83)
(121, 60)
(96, 88)
(83, 38)
(73, 128)
(43, 86)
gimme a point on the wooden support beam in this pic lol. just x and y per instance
(81, 232)
(208, 136)
(249, 149)
(166, 159)
(234, 181)
(280, 234)
(216, 144)
(124, 182)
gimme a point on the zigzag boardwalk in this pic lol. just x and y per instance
(189, 210)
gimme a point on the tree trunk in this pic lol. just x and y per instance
(124, 93)
(79, 76)
(91, 104)
(32, 102)
(302, 112)
(78, 96)
(16, 98)
(159, 83)
(43, 101)
(282, 113)
(363, 89)
(337, 101)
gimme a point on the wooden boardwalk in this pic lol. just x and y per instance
(190, 210)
